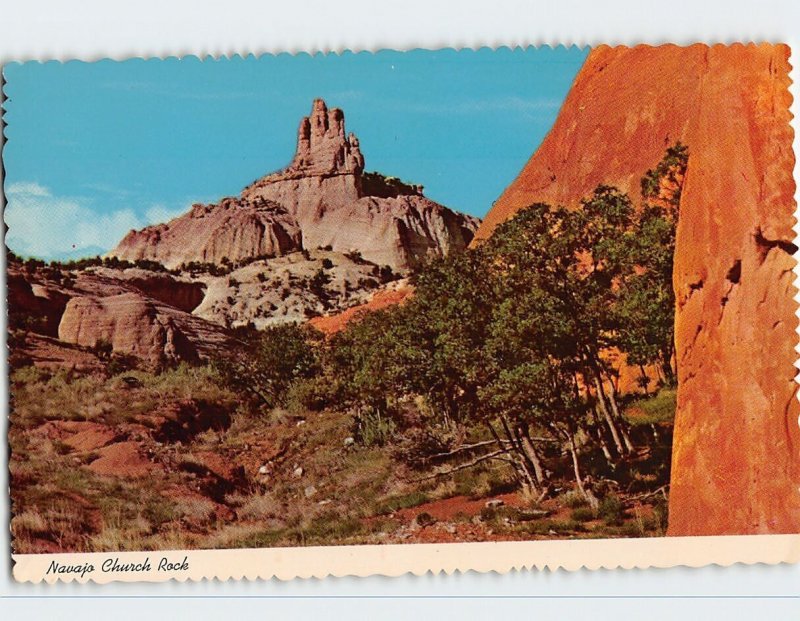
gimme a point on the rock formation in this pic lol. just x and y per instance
(233, 229)
(287, 289)
(323, 198)
(736, 453)
(394, 293)
(134, 324)
(137, 312)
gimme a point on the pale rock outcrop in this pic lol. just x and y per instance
(233, 229)
(323, 198)
(134, 324)
(288, 289)
(736, 450)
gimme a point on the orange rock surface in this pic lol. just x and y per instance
(332, 324)
(736, 453)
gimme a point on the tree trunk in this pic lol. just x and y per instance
(666, 366)
(601, 401)
(645, 381)
(601, 437)
(525, 465)
(522, 473)
(612, 397)
(590, 497)
(656, 437)
(532, 455)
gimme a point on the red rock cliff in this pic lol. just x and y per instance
(736, 453)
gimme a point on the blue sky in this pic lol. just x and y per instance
(95, 149)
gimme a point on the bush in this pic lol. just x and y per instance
(418, 445)
(266, 364)
(310, 394)
(354, 256)
(659, 408)
(327, 264)
(574, 500)
(661, 513)
(611, 510)
(103, 349)
(583, 514)
(121, 363)
(372, 429)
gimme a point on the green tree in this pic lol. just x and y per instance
(567, 263)
(265, 364)
(646, 304)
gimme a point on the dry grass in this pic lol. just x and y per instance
(58, 502)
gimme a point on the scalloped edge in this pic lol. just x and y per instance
(420, 559)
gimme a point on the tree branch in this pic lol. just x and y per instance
(474, 462)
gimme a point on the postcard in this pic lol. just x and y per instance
(377, 313)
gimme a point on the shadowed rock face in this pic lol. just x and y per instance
(323, 198)
(137, 312)
(736, 452)
(141, 326)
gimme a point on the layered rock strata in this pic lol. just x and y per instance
(322, 199)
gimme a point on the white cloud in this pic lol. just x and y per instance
(160, 213)
(28, 188)
(47, 226)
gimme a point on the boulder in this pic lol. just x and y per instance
(736, 451)
(134, 324)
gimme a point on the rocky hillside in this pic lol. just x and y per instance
(736, 467)
(322, 199)
(67, 320)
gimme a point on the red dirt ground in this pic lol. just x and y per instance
(122, 459)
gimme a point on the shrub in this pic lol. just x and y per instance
(661, 513)
(372, 429)
(327, 264)
(611, 510)
(313, 394)
(574, 500)
(418, 445)
(659, 408)
(412, 499)
(387, 274)
(121, 363)
(103, 349)
(354, 256)
(266, 364)
(582, 514)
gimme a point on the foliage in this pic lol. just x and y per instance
(370, 428)
(266, 364)
(660, 408)
(611, 510)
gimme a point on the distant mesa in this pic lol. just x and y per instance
(322, 199)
